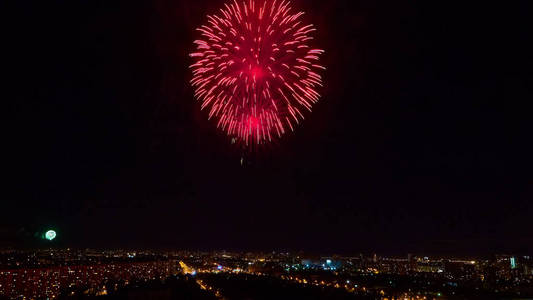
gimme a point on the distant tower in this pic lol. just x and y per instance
(410, 261)
(513, 262)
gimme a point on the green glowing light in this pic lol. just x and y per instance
(50, 235)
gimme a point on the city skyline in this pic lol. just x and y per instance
(59, 273)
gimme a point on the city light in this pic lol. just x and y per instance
(513, 263)
(54, 272)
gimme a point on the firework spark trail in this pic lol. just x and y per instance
(254, 70)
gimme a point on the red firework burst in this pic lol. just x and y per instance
(254, 69)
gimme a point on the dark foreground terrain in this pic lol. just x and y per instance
(251, 287)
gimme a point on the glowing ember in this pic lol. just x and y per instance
(254, 70)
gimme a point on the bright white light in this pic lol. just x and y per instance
(50, 235)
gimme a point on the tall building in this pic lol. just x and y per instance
(513, 262)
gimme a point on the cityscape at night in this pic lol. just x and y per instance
(62, 273)
(267, 150)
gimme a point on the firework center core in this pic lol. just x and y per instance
(257, 72)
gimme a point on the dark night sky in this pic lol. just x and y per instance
(421, 143)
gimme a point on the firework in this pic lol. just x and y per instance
(254, 69)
